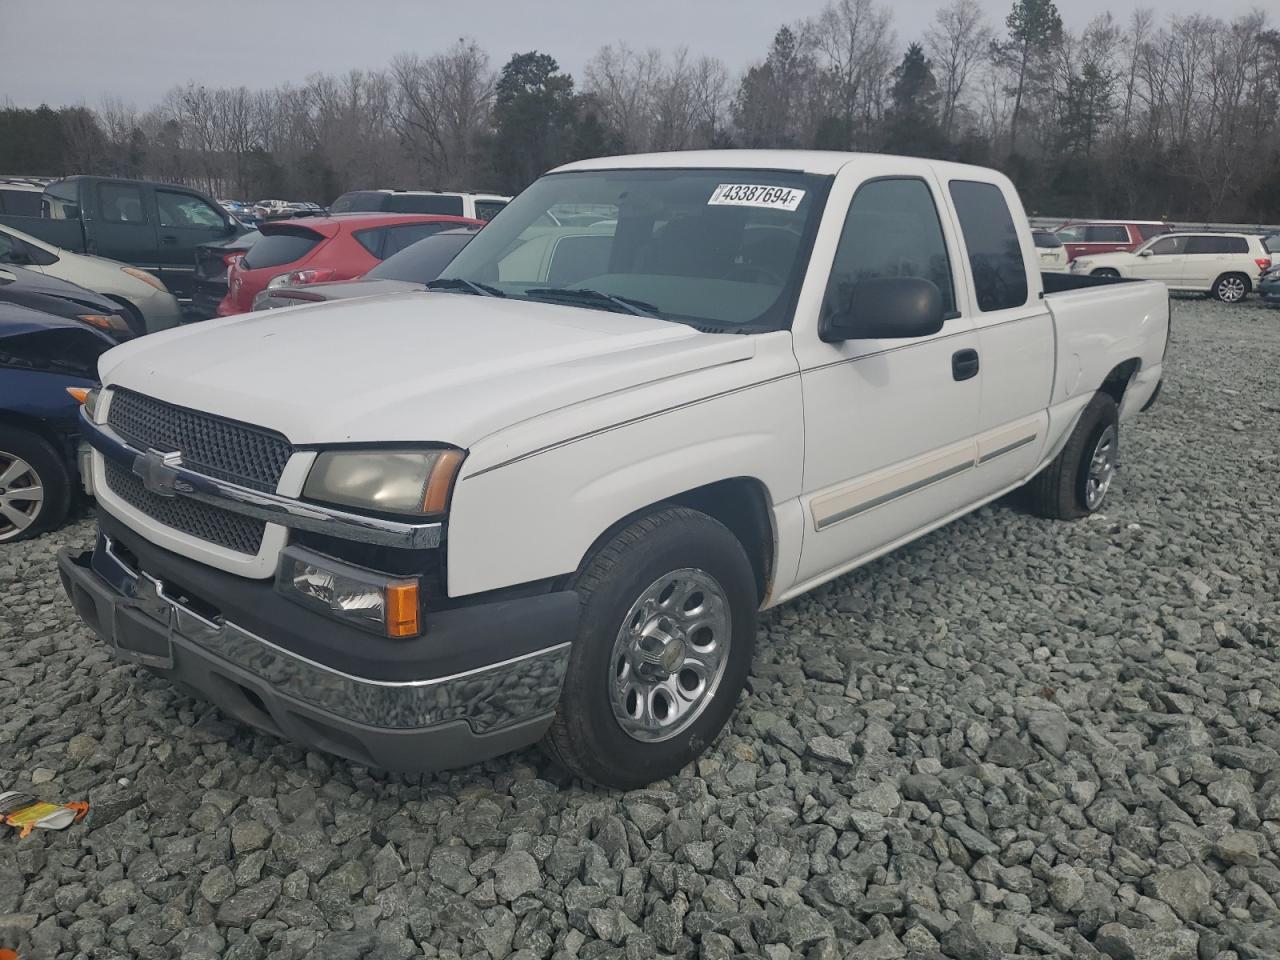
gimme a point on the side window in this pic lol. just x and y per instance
(1106, 234)
(425, 203)
(398, 238)
(1235, 245)
(1204, 244)
(1071, 234)
(891, 230)
(121, 203)
(60, 201)
(1169, 246)
(995, 254)
(486, 210)
(20, 203)
(185, 210)
(1149, 230)
(372, 240)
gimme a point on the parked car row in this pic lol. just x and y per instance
(1227, 266)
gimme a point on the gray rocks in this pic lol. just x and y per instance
(1122, 943)
(830, 749)
(515, 875)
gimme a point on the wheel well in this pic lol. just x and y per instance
(741, 504)
(1248, 283)
(1117, 381)
(1105, 272)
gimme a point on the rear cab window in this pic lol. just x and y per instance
(995, 252)
(278, 248)
(121, 203)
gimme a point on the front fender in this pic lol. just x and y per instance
(537, 516)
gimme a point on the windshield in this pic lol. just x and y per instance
(722, 249)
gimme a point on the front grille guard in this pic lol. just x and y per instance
(269, 507)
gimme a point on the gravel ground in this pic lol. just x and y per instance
(1012, 738)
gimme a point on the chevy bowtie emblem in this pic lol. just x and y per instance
(158, 471)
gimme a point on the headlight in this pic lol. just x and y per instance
(146, 278)
(387, 605)
(393, 481)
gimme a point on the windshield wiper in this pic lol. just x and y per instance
(470, 286)
(596, 298)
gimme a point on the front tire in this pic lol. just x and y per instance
(1077, 480)
(664, 644)
(1230, 288)
(35, 488)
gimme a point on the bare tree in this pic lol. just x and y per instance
(854, 42)
(957, 42)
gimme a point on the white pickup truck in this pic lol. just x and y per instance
(547, 498)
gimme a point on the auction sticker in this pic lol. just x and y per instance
(754, 195)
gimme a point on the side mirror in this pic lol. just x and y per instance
(1144, 253)
(887, 308)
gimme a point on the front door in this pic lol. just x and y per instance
(889, 423)
(1163, 260)
(123, 227)
(185, 221)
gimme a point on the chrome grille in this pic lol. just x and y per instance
(226, 449)
(191, 517)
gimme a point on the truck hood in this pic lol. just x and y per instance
(435, 367)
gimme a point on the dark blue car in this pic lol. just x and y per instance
(41, 356)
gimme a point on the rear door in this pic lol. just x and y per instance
(185, 220)
(1015, 336)
(122, 226)
(1206, 259)
(889, 423)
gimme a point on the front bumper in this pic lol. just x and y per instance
(160, 311)
(483, 681)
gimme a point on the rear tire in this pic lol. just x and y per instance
(664, 644)
(1230, 288)
(1105, 272)
(1077, 480)
(35, 486)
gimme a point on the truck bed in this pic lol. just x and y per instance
(67, 234)
(1101, 323)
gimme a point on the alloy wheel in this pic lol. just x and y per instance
(21, 496)
(1230, 289)
(1102, 468)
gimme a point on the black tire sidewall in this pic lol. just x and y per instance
(53, 474)
(1101, 413)
(694, 540)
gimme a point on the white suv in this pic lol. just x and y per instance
(477, 206)
(1224, 265)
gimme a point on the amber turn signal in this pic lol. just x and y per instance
(402, 609)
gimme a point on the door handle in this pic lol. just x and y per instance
(964, 364)
(169, 238)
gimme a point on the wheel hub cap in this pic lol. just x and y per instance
(669, 655)
(1102, 468)
(21, 495)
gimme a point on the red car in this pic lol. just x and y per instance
(317, 249)
(1106, 236)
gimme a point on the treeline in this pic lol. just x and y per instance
(1146, 116)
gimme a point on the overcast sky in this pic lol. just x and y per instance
(75, 51)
